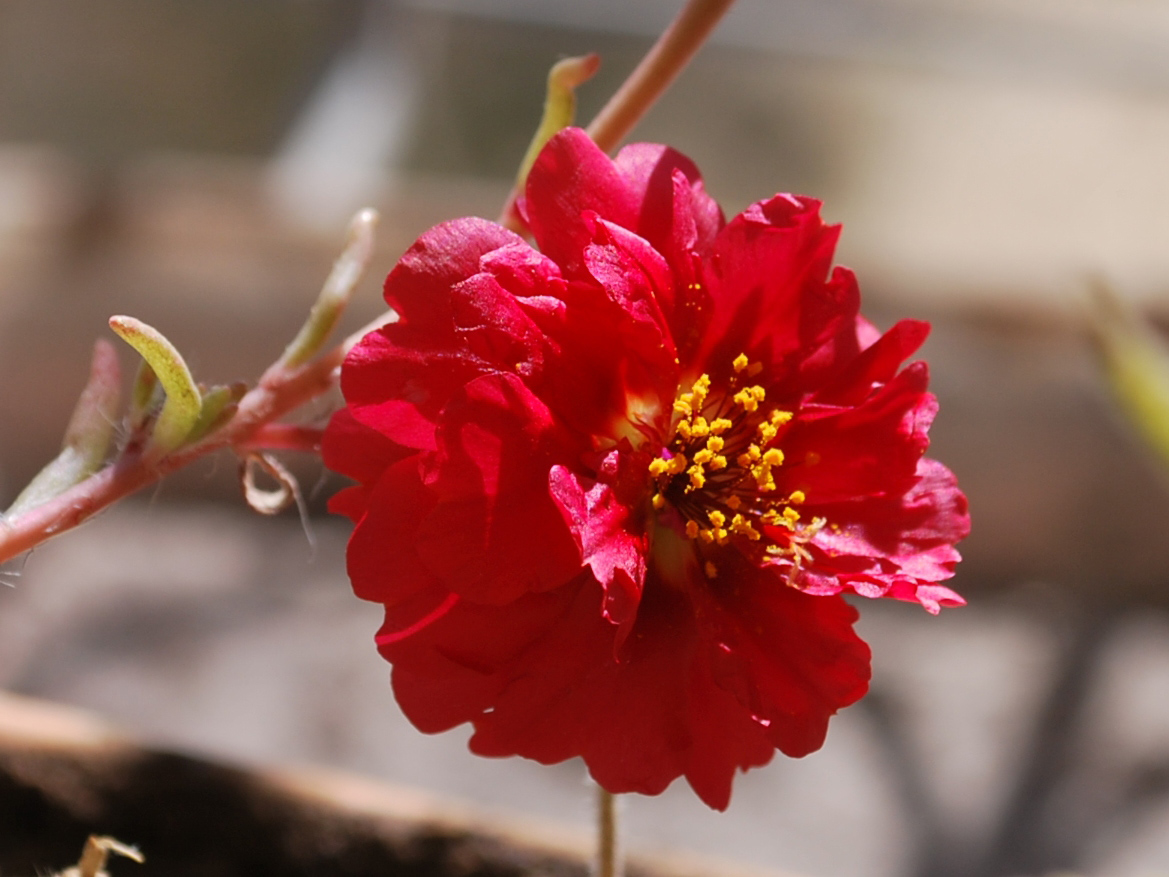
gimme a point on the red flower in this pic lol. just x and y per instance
(611, 489)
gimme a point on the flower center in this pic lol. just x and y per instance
(718, 472)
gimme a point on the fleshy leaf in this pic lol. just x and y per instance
(180, 411)
(87, 438)
(564, 78)
(1136, 361)
(338, 289)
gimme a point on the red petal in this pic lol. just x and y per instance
(791, 659)
(495, 532)
(898, 546)
(418, 287)
(843, 455)
(612, 542)
(770, 284)
(383, 563)
(876, 364)
(571, 177)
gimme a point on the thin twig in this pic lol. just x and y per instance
(609, 862)
(661, 65)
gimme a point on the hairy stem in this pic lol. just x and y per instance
(279, 391)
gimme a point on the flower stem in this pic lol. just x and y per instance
(281, 390)
(609, 862)
(664, 61)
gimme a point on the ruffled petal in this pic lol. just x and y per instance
(773, 295)
(840, 455)
(495, 533)
(896, 546)
(611, 538)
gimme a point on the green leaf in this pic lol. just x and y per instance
(87, 438)
(180, 411)
(1136, 361)
(559, 106)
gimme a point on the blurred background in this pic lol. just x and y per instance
(195, 164)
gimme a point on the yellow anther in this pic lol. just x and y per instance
(717, 518)
(766, 432)
(763, 477)
(719, 462)
(718, 535)
(715, 443)
(699, 428)
(659, 501)
(710, 569)
(740, 362)
(773, 457)
(733, 502)
(682, 406)
(704, 456)
(797, 497)
(683, 430)
(758, 393)
(677, 464)
(658, 467)
(791, 515)
(697, 477)
(691, 529)
(780, 417)
(746, 399)
(700, 389)
(770, 517)
(720, 425)
(742, 527)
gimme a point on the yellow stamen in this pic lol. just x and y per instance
(697, 477)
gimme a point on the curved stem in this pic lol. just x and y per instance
(661, 65)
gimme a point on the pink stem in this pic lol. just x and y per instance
(665, 60)
(661, 66)
(284, 437)
(279, 391)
